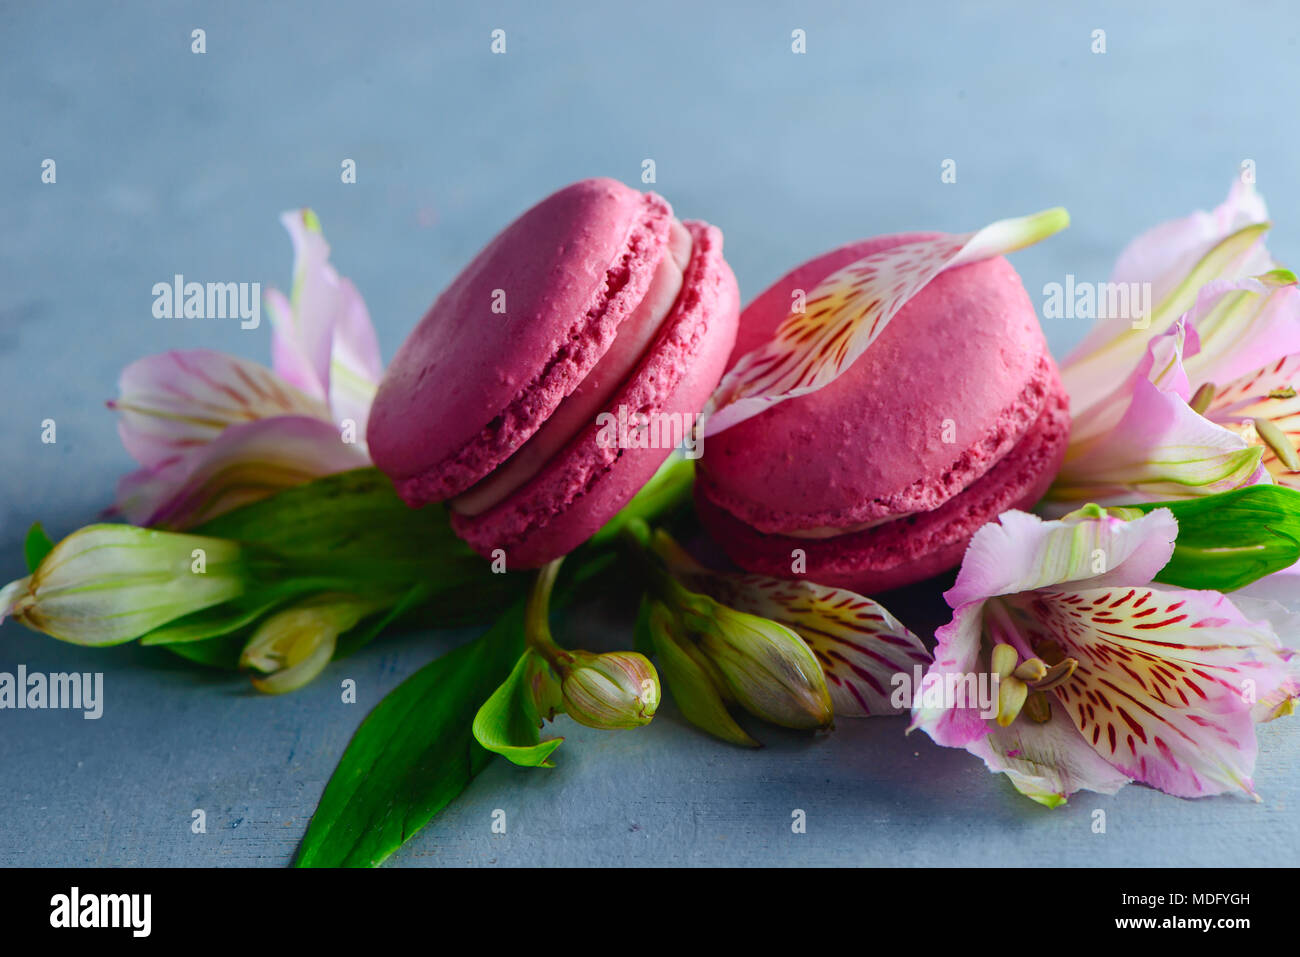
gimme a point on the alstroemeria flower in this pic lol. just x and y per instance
(213, 431)
(1106, 677)
(1212, 406)
(1171, 406)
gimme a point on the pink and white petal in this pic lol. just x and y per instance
(1047, 762)
(172, 403)
(288, 359)
(1244, 327)
(848, 310)
(315, 293)
(1164, 254)
(959, 653)
(355, 367)
(1286, 626)
(1166, 681)
(1160, 450)
(1162, 364)
(1118, 343)
(143, 492)
(860, 645)
(251, 461)
(1021, 552)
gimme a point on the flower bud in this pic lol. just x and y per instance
(610, 691)
(291, 647)
(106, 584)
(767, 667)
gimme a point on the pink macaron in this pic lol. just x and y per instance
(595, 307)
(953, 415)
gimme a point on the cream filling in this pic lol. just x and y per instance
(827, 531)
(581, 406)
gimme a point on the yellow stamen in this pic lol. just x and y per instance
(1279, 442)
(1031, 670)
(1202, 398)
(1004, 660)
(1285, 392)
(1057, 674)
(1012, 693)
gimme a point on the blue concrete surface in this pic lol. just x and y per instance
(173, 162)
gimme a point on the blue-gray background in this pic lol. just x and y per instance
(174, 162)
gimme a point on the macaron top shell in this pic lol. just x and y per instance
(950, 385)
(515, 333)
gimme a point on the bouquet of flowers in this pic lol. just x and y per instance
(1125, 630)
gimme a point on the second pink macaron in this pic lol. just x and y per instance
(955, 414)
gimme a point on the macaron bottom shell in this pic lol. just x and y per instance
(910, 548)
(582, 487)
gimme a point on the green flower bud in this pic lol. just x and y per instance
(106, 584)
(766, 666)
(610, 691)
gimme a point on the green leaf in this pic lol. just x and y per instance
(36, 546)
(509, 722)
(412, 755)
(1229, 540)
(366, 632)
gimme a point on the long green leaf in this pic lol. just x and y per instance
(412, 755)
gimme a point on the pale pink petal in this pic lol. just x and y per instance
(248, 462)
(1159, 450)
(959, 653)
(324, 339)
(848, 310)
(1047, 762)
(1245, 327)
(1164, 254)
(315, 292)
(355, 365)
(172, 403)
(1021, 552)
(1177, 259)
(287, 357)
(1166, 680)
